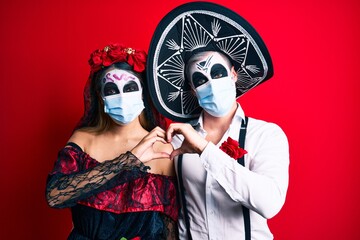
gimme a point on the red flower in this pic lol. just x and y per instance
(137, 60)
(114, 53)
(106, 60)
(231, 148)
(95, 60)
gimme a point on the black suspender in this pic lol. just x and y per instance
(246, 212)
(241, 161)
(242, 138)
(183, 200)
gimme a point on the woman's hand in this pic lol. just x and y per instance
(144, 149)
(193, 142)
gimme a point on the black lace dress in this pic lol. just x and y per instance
(115, 199)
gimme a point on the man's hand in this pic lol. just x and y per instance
(193, 142)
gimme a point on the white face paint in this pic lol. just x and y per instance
(118, 81)
(210, 77)
(206, 66)
(122, 95)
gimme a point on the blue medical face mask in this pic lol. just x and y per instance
(210, 77)
(217, 96)
(122, 95)
(124, 109)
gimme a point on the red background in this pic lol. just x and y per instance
(44, 48)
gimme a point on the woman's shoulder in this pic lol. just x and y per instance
(82, 138)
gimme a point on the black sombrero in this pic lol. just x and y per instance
(196, 27)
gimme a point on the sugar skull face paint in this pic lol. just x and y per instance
(118, 81)
(210, 76)
(206, 66)
(122, 95)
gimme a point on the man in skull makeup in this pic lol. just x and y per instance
(215, 96)
(232, 169)
(115, 172)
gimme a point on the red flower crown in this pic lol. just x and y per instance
(114, 53)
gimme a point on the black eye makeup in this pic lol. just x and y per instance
(198, 79)
(110, 88)
(218, 71)
(131, 87)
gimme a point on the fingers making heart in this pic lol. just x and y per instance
(193, 142)
(157, 131)
(177, 128)
(176, 152)
(144, 149)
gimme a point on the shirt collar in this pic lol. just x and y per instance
(239, 115)
(198, 122)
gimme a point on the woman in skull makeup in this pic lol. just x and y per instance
(115, 172)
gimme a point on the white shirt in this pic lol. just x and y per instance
(216, 186)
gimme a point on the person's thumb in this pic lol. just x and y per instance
(161, 155)
(175, 153)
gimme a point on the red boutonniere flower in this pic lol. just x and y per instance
(231, 148)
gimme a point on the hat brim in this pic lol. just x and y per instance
(194, 27)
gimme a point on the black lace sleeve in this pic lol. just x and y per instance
(73, 180)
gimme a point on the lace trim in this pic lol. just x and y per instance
(119, 186)
(71, 182)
